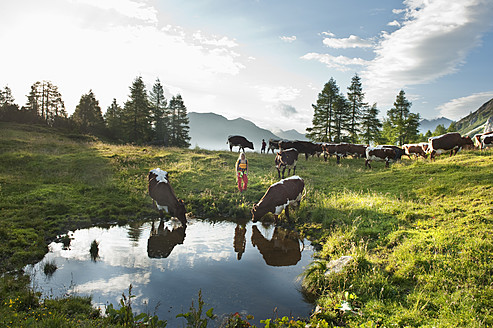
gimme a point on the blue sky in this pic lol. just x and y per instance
(264, 60)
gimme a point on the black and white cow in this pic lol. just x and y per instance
(286, 159)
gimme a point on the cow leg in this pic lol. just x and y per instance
(367, 163)
(294, 170)
(286, 211)
(338, 159)
(278, 173)
(325, 158)
(306, 156)
(283, 170)
(230, 147)
(387, 164)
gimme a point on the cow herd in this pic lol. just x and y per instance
(289, 191)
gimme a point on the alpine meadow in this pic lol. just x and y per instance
(419, 233)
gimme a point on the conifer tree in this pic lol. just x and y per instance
(137, 114)
(356, 107)
(114, 120)
(87, 115)
(323, 115)
(341, 119)
(370, 125)
(179, 128)
(45, 102)
(439, 130)
(402, 124)
(452, 127)
(160, 113)
(9, 110)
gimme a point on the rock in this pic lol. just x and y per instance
(336, 266)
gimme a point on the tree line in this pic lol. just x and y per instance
(340, 118)
(146, 117)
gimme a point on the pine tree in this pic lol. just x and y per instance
(323, 115)
(403, 124)
(87, 115)
(179, 128)
(137, 114)
(45, 102)
(370, 125)
(160, 113)
(114, 120)
(9, 110)
(356, 107)
(452, 127)
(341, 119)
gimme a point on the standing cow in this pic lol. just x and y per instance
(164, 196)
(383, 153)
(483, 140)
(452, 142)
(273, 145)
(278, 197)
(286, 159)
(239, 141)
(416, 150)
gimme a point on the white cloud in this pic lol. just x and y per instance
(288, 39)
(340, 63)
(394, 23)
(461, 107)
(328, 33)
(214, 40)
(277, 93)
(433, 42)
(286, 110)
(129, 8)
(352, 42)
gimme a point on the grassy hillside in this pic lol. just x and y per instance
(420, 233)
(476, 119)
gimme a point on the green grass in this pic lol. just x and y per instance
(420, 232)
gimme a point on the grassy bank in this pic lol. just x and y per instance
(420, 233)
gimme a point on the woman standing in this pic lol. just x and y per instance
(242, 172)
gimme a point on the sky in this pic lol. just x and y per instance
(263, 60)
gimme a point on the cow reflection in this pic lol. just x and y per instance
(239, 242)
(282, 250)
(163, 239)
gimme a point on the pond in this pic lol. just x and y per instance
(247, 268)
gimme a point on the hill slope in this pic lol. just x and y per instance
(211, 131)
(474, 122)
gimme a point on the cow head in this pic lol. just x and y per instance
(467, 142)
(249, 145)
(257, 213)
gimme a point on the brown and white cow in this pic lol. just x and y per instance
(278, 198)
(385, 153)
(164, 239)
(164, 196)
(286, 159)
(483, 140)
(452, 142)
(273, 145)
(306, 147)
(239, 141)
(416, 149)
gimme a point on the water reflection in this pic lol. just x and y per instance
(282, 249)
(163, 239)
(240, 240)
(237, 265)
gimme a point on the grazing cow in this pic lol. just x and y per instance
(164, 196)
(162, 240)
(452, 142)
(278, 197)
(286, 159)
(416, 150)
(383, 153)
(283, 249)
(341, 150)
(481, 137)
(239, 141)
(273, 145)
(328, 149)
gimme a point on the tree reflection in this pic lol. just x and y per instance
(282, 250)
(163, 239)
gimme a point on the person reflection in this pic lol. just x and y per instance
(240, 240)
(282, 250)
(162, 240)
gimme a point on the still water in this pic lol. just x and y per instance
(250, 268)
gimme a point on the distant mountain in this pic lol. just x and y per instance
(211, 131)
(425, 125)
(476, 121)
(290, 134)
